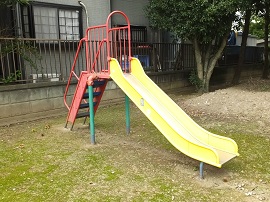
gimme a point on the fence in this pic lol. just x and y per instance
(173, 57)
(31, 60)
(164, 56)
(230, 55)
(39, 60)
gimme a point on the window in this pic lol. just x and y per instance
(52, 21)
(138, 33)
(6, 22)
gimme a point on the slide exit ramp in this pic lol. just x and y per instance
(179, 129)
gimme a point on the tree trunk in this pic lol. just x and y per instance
(238, 69)
(198, 58)
(265, 73)
(206, 68)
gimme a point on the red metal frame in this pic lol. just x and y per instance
(101, 44)
(121, 41)
(72, 72)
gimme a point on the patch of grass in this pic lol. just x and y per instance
(41, 161)
(253, 162)
(141, 127)
(41, 165)
(111, 173)
(260, 85)
(265, 88)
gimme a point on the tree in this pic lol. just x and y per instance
(20, 49)
(257, 26)
(265, 73)
(12, 2)
(260, 28)
(247, 16)
(205, 23)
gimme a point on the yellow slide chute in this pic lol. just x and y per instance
(179, 129)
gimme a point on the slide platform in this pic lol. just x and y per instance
(179, 129)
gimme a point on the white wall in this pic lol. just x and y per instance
(98, 10)
(135, 10)
(251, 41)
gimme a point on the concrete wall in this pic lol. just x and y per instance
(98, 10)
(133, 9)
(20, 101)
(223, 75)
(32, 101)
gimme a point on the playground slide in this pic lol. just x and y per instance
(179, 129)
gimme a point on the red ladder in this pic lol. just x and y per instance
(80, 103)
(100, 44)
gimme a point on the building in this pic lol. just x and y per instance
(260, 42)
(55, 24)
(38, 43)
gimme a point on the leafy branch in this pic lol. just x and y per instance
(12, 77)
(12, 2)
(26, 50)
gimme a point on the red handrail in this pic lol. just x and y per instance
(112, 42)
(109, 30)
(72, 73)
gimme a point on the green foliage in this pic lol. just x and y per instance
(205, 20)
(25, 50)
(12, 2)
(257, 26)
(195, 80)
(206, 24)
(12, 77)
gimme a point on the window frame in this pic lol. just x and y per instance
(31, 20)
(135, 31)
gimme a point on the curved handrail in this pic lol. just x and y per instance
(72, 73)
(111, 29)
(104, 30)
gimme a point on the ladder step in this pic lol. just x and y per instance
(86, 105)
(98, 83)
(95, 94)
(82, 114)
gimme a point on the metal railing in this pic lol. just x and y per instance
(39, 60)
(253, 55)
(101, 43)
(36, 60)
(159, 57)
(172, 56)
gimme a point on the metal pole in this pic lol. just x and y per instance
(86, 12)
(127, 114)
(91, 115)
(201, 170)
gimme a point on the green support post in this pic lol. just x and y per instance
(91, 115)
(127, 114)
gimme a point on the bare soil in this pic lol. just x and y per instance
(245, 108)
(246, 102)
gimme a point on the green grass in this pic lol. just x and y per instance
(253, 162)
(40, 161)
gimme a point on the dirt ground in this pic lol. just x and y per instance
(249, 101)
(150, 165)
